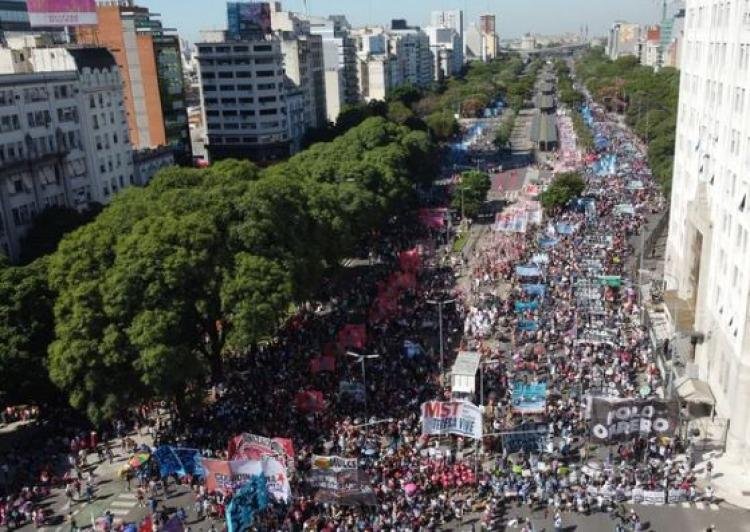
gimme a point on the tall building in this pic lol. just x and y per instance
(303, 65)
(13, 17)
(63, 134)
(482, 41)
(375, 63)
(453, 18)
(150, 59)
(247, 20)
(414, 64)
(709, 229)
(487, 24)
(623, 40)
(649, 49)
(447, 51)
(243, 94)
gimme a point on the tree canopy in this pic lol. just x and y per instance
(153, 293)
(471, 192)
(564, 188)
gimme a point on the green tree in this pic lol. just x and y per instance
(26, 330)
(471, 192)
(49, 227)
(443, 125)
(399, 112)
(564, 188)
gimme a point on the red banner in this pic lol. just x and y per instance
(352, 335)
(432, 218)
(253, 447)
(310, 401)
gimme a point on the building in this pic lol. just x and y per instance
(708, 246)
(414, 64)
(482, 41)
(14, 18)
(150, 59)
(623, 40)
(528, 42)
(649, 52)
(63, 134)
(454, 20)
(487, 24)
(303, 66)
(243, 95)
(672, 40)
(146, 163)
(247, 20)
(375, 63)
(447, 51)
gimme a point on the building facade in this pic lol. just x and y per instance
(150, 59)
(623, 40)
(63, 135)
(708, 246)
(414, 63)
(243, 95)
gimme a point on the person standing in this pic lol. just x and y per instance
(558, 522)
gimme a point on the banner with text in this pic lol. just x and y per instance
(340, 481)
(623, 419)
(451, 417)
(529, 398)
(229, 476)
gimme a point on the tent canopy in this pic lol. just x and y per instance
(694, 391)
(464, 372)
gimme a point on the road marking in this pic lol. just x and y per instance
(699, 506)
(119, 512)
(686, 505)
(714, 507)
(126, 495)
(124, 504)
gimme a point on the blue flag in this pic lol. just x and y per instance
(250, 499)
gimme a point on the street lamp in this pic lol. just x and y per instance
(440, 303)
(361, 359)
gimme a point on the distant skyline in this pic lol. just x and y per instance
(513, 18)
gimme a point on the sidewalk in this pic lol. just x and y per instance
(729, 478)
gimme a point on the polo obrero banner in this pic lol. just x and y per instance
(623, 419)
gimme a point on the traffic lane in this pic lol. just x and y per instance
(668, 518)
(509, 180)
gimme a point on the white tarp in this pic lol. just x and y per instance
(464, 372)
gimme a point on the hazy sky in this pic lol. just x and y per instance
(515, 17)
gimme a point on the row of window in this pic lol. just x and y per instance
(36, 94)
(203, 49)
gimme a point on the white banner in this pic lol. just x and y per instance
(451, 417)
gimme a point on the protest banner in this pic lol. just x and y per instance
(253, 447)
(677, 495)
(308, 401)
(324, 363)
(178, 461)
(352, 335)
(654, 497)
(354, 391)
(230, 475)
(531, 441)
(451, 417)
(623, 419)
(528, 271)
(432, 218)
(529, 398)
(340, 481)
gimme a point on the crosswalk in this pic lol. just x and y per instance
(123, 504)
(700, 505)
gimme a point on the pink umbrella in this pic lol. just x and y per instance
(410, 488)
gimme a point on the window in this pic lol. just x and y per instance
(264, 74)
(244, 74)
(247, 88)
(209, 75)
(229, 101)
(226, 87)
(226, 75)
(263, 48)
(241, 49)
(209, 88)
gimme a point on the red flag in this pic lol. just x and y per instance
(146, 525)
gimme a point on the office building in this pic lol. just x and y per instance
(375, 64)
(63, 134)
(243, 95)
(623, 40)
(482, 41)
(453, 19)
(150, 58)
(303, 65)
(14, 18)
(487, 24)
(708, 246)
(649, 51)
(447, 51)
(414, 64)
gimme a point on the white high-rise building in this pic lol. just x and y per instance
(708, 247)
(447, 50)
(414, 60)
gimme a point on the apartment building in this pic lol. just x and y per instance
(63, 134)
(150, 59)
(623, 40)
(414, 62)
(708, 246)
(243, 95)
(446, 46)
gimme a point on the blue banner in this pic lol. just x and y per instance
(547, 242)
(531, 441)
(534, 289)
(178, 461)
(529, 398)
(523, 306)
(528, 325)
(251, 498)
(528, 271)
(566, 228)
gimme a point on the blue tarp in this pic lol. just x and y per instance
(178, 461)
(528, 325)
(535, 289)
(528, 271)
(566, 228)
(547, 242)
(523, 306)
(529, 398)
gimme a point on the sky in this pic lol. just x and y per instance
(514, 17)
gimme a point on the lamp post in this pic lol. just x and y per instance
(440, 303)
(361, 359)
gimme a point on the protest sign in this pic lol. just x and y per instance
(622, 419)
(654, 497)
(531, 441)
(178, 461)
(677, 495)
(451, 417)
(229, 476)
(529, 398)
(340, 481)
(253, 447)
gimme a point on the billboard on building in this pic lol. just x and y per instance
(246, 20)
(51, 13)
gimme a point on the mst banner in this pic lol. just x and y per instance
(622, 419)
(451, 417)
(340, 481)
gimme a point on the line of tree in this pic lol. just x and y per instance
(147, 299)
(648, 98)
(573, 99)
(562, 190)
(505, 131)
(471, 193)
